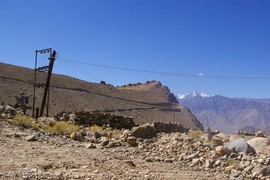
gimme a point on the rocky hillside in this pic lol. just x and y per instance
(229, 114)
(146, 102)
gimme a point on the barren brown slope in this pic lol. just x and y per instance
(146, 102)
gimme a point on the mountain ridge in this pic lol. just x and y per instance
(146, 103)
(229, 114)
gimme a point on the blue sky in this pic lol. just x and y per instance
(212, 37)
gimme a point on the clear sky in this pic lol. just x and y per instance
(209, 37)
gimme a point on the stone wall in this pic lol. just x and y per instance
(87, 118)
(169, 127)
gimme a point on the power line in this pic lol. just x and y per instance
(200, 75)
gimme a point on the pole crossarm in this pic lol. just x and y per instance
(42, 69)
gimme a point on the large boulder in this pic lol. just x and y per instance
(218, 139)
(260, 144)
(221, 151)
(240, 145)
(144, 131)
(261, 170)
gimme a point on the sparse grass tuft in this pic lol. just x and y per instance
(195, 133)
(62, 128)
(59, 128)
(24, 121)
(95, 128)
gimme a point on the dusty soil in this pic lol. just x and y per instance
(55, 157)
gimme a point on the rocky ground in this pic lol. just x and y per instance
(144, 152)
(29, 154)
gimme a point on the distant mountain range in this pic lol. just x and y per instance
(228, 114)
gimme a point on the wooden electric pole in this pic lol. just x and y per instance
(37, 70)
(47, 87)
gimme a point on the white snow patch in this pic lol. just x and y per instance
(181, 96)
(194, 94)
(203, 95)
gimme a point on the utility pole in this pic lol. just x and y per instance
(47, 87)
(35, 81)
(45, 100)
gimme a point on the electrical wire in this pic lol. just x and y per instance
(81, 72)
(200, 75)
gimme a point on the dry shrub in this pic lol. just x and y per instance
(195, 133)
